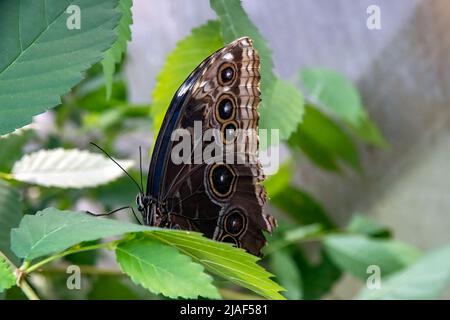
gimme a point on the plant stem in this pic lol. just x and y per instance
(65, 253)
(27, 269)
(21, 282)
(28, 291)
(89, 270)
(6, 176)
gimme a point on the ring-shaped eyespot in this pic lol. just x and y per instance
(222, 180)
(227, 74)
(225, 108)
(235, 222)
(229, 132)
(230, 239)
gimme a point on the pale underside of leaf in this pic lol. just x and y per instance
(67, 168)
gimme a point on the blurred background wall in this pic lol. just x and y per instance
(402, 71)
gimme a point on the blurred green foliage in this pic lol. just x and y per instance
(322, 120)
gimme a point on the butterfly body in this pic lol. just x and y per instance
(223, 199)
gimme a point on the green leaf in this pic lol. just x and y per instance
(67, 168)
(224, 260)
(234, 24)
(42, 59)
(7, 278)
(368, 131)
(301, 207)
(163, 270)
(355, 253)
(10, 215)
(426, 279)
(324, 142)
(276, 183)
(187, 55)
(282, 104)
(11, 146)
(284, 110)
(319, 278)
(114, 54)
(84, 258)
(14, 293)
(286, 235)
(111, 288)
(334, 92)
(304, 232)
(114, 194)
(103, 121)
(287, 273)
(365, 226)
(51, 231)
(91, 95)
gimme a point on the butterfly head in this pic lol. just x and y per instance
(149, 208)
(143, 202)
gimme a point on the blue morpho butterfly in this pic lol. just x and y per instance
(223, 201)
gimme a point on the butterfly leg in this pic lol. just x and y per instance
(114, 211)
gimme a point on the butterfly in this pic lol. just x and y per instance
(224, 201)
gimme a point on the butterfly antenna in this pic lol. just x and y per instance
(112, 159)
(140, 166)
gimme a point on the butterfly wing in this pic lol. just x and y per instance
(223, 199)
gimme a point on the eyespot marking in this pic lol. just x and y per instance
(235, 222)
(225, 108)
(227, 74)
(229, 132)
(222, 180)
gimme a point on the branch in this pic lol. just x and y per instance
(20, 279)
(28, 269)
(85, 269)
